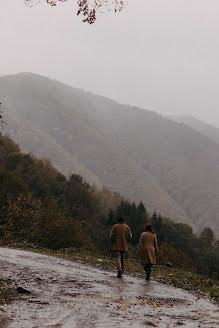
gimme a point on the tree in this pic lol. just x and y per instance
(111, 218)
(157, 223)
(87, 8)
(1, 116)
(2, 122)
(21, 218)
(141, 207)
(207, 238)
(168, 253)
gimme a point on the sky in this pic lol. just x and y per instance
(160, 55)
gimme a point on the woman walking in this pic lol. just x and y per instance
(148, 249)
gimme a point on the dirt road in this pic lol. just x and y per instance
(72, 294)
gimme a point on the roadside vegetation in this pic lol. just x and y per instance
(5, 292)
(190, 281)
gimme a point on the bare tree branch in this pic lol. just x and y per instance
(88, 9)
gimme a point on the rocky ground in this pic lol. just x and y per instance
(72, 294)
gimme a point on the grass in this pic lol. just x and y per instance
(5, 292)
(190, 281)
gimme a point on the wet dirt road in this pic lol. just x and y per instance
(72, 294)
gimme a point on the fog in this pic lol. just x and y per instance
(159, 55)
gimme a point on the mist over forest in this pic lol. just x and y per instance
(171, 167)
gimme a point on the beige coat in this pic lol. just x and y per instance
(148, 248)
(120, 235)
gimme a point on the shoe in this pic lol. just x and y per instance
(148, 276)
(119, 275)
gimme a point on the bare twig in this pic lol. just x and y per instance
(87, 8)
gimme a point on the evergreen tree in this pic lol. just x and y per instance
(157, 223)
(141, 207)
(207, 238)
(111, 218)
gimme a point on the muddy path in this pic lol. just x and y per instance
(72, 294)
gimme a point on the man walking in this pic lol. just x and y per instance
(120, 235)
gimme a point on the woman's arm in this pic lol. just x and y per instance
(112, 234)
(140, 244)
(129, 234)
(155, 244)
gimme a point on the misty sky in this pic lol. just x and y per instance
(161, 55)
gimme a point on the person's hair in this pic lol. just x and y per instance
(148, 227)
(121, 219)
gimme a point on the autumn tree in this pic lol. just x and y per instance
(168, 253)
(88, 9)
(21, 218)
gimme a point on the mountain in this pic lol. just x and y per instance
(204, 128)
(171, 167)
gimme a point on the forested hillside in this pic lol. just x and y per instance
(41, 206)
(204, 128)
(169, 166)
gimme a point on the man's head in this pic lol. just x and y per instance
(121, 219)
(148, 227)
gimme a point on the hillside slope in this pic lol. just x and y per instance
(42, 113)
(138, 153)
(204, 128)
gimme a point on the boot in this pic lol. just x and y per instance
(119, 275)
(148, 271)
(122, 263)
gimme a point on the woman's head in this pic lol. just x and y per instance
(148, 227)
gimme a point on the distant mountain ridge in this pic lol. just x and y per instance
(142, 155)
(204, 128)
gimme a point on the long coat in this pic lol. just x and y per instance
(148, 247)
(120, 235)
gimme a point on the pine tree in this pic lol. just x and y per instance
(111, 217)
(141, 207)
(157, 223)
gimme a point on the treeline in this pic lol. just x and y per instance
(177, 242)
(42, 206)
